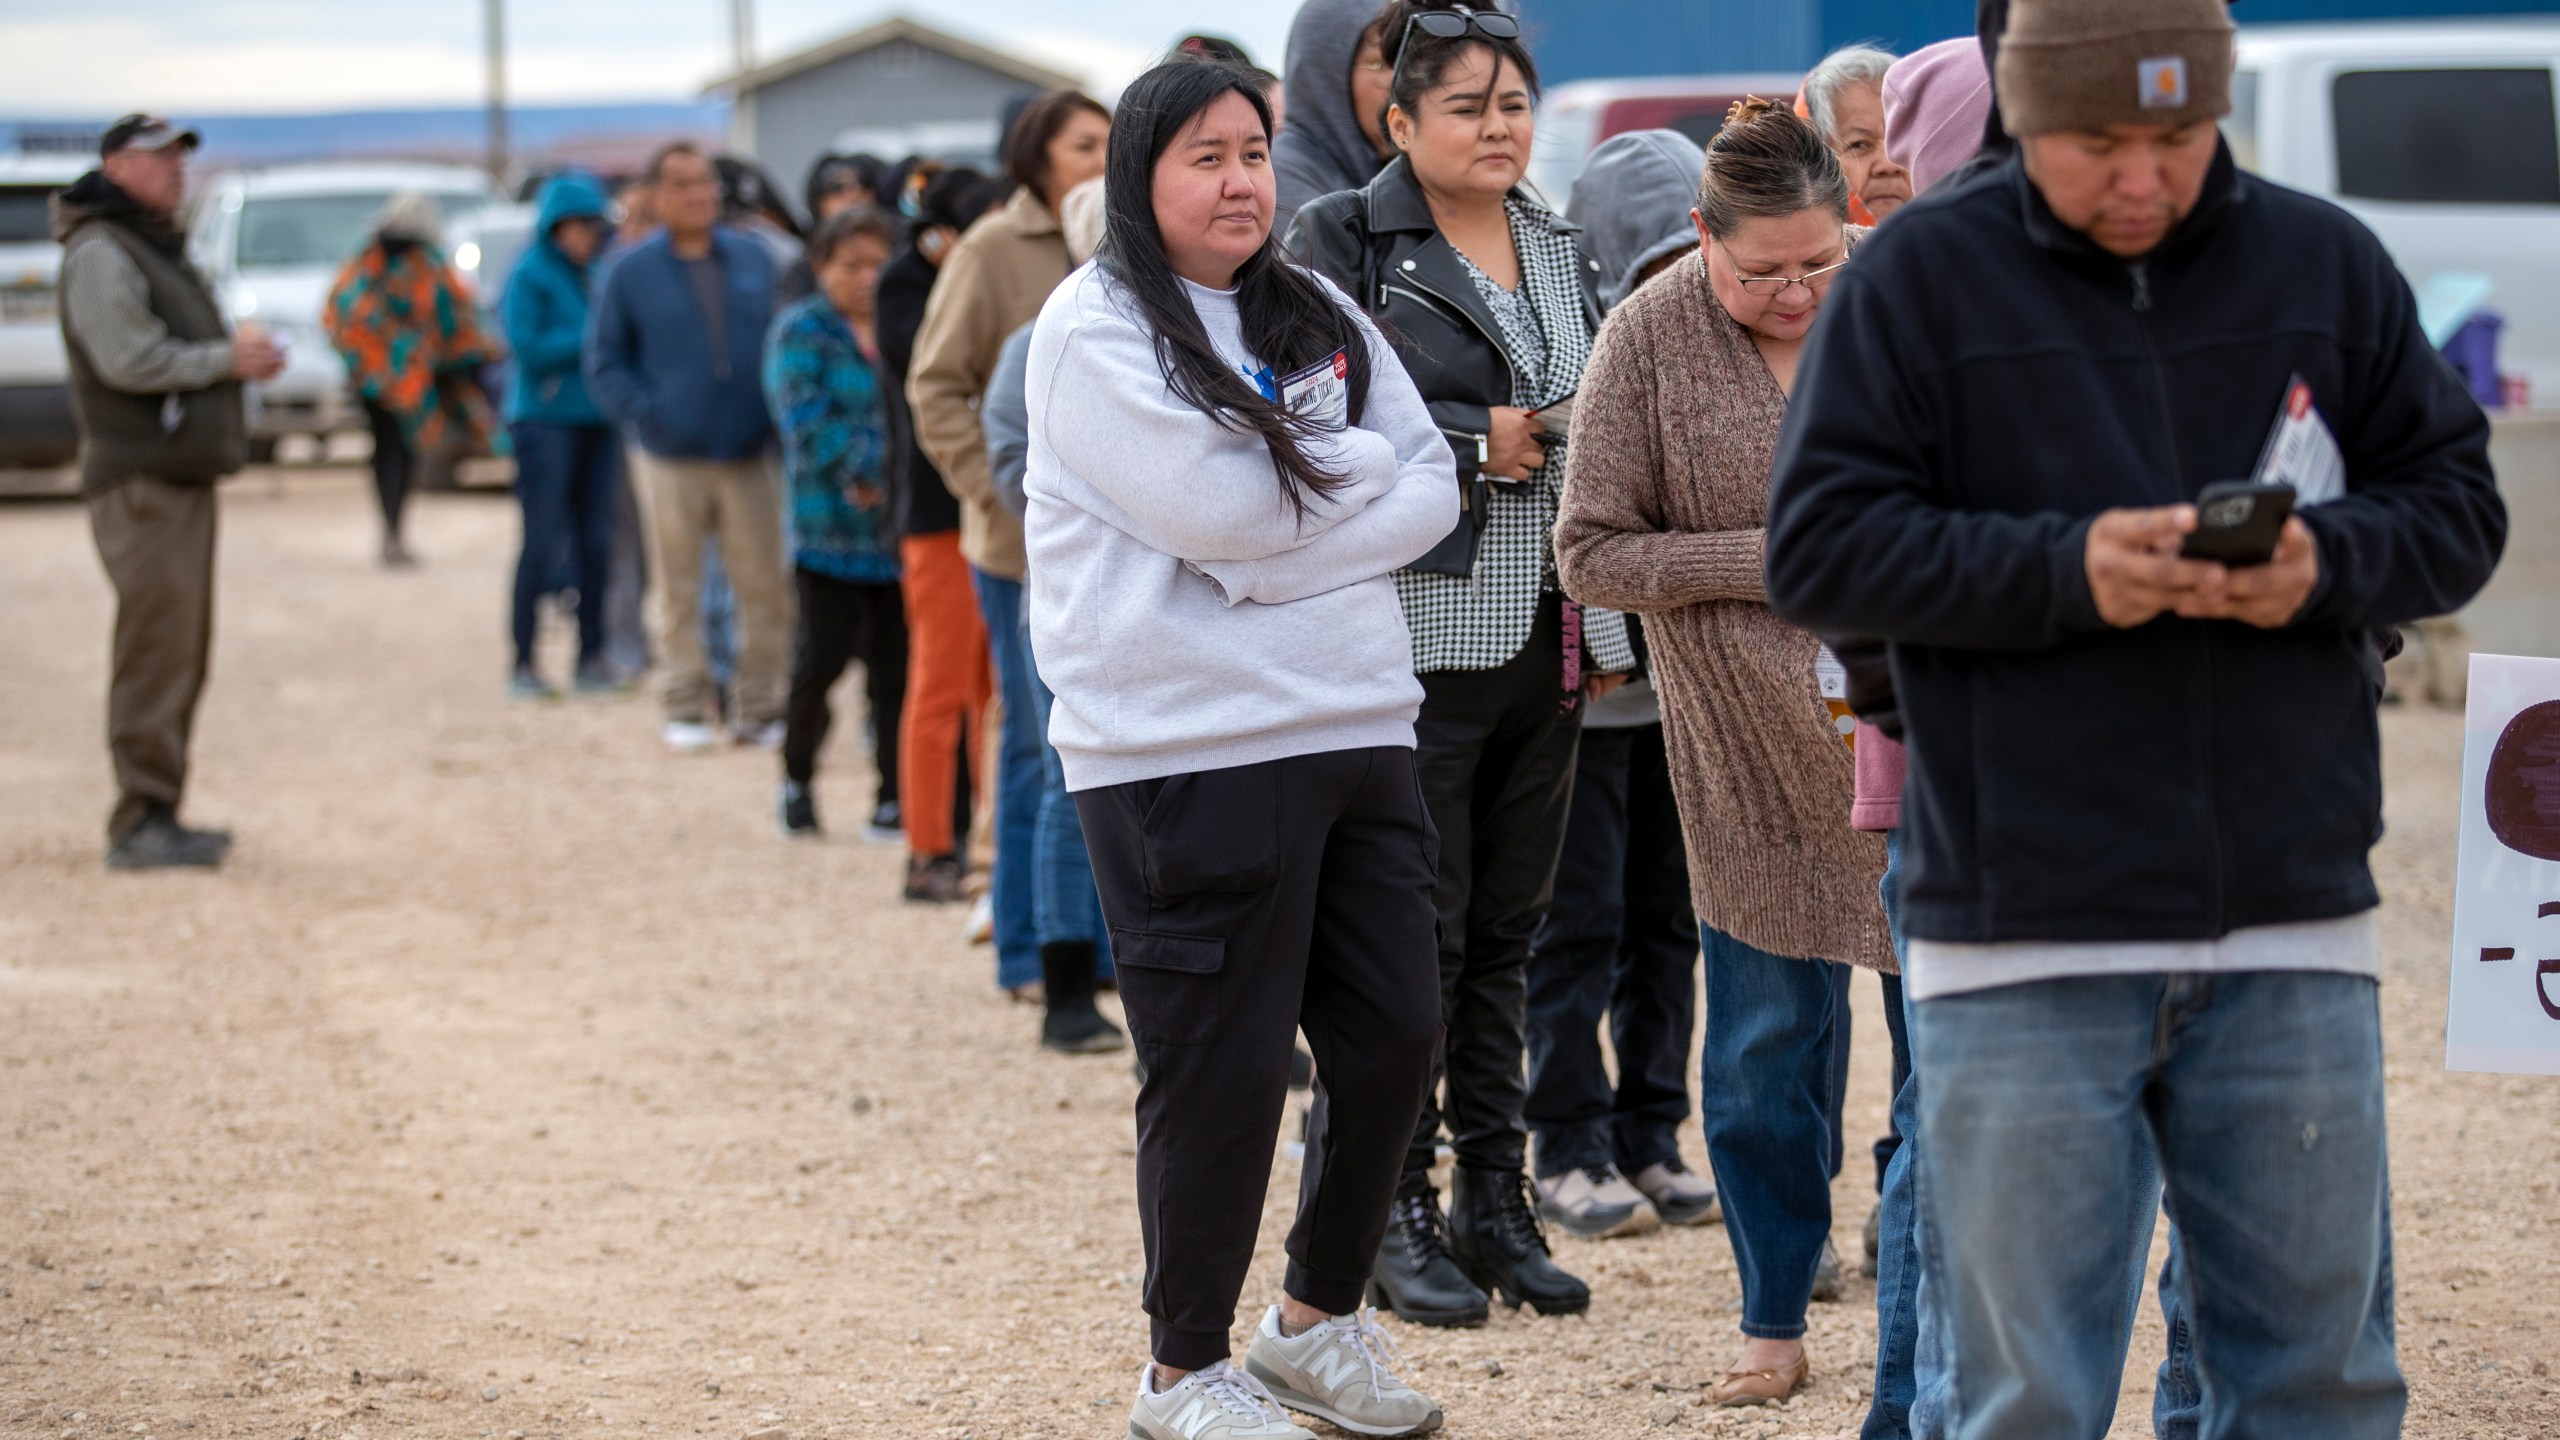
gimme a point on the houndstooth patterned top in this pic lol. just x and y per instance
(1480, 621)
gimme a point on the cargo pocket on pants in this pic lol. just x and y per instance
(1172, 987)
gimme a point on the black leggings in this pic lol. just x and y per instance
(841, 622)
(394, 464)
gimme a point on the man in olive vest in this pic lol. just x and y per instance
(155, 382)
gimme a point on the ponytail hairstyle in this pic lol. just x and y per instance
(1290, 319)
(1767, 162)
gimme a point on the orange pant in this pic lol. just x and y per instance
(950, 677)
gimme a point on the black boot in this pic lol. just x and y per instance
(1494, 1233)
(1072, 1024)
(1414, 1276)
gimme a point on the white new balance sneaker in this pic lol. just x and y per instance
(1340, 1371)
(1219, 1403)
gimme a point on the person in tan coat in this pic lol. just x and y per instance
(1665, 499)
(992, 284)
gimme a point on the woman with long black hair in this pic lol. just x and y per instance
(1226, 466)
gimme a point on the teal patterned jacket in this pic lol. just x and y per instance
(825, 399)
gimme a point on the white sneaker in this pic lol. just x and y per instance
(1219, 1403)
(1340, 1371)
(688, 737)
(1680, 1195)
(981, 929)
(767, 736)
(1594, 1202)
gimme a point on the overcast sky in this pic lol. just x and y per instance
(79, 58)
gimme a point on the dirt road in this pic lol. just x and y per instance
(516, 1079)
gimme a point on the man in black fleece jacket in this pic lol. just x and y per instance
(2142, 788)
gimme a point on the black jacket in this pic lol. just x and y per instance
(1380, 245)
(1983, 381)
(919, 503)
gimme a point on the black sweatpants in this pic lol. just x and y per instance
(1620, 938)
(840, 622)
(1247, 904)
(1496, 755)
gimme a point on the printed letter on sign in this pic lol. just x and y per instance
(2503, 1010)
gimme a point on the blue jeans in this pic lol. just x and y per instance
(1065, 905)
(566, 476)
(2261, 1093)
(1014, 887)
(1911, 1362)
(1765, 1096)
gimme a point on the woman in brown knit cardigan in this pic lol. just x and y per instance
(1664, 502)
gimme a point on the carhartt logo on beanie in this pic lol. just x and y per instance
(2085, 64)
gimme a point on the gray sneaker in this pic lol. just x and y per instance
(1341, 1372)
(1680, 1195)
(1219, 1403)
(1826, 1275)
(1595, 1202)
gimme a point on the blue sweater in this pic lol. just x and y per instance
(651, 363)
(826, 402)
(545, 309)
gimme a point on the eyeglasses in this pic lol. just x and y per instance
(1777, 284)
(1449, 24)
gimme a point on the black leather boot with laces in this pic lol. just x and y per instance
(1495, 1237)
(1415, 1276)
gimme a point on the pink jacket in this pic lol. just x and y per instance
(1882, 763)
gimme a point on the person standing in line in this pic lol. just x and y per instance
(1226, 465)
(568, 461)
(821, 376)
(836, 184)
(1843, 100)
(1620, 939)
(992, 285)
(409, 332)
(1494, 306)
(950, 675)
(1662, 515)
(1336, 76)
(2176, 944)
(1069, 910)
(671, 356)
(156, 389)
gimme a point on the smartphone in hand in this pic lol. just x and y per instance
(2238, 522)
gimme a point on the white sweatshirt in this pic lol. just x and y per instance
(1186, 618)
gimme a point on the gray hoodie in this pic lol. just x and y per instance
(1632, 201)
(1321, 149)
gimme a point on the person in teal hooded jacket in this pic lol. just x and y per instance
(568, 458)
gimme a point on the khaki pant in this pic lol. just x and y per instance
(683, 502)
(157, 542)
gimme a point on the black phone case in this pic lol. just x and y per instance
(2250, 542)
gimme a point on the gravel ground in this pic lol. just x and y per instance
(517, 1080)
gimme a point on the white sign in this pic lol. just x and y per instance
(2503, 1011)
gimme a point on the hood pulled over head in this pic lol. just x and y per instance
(1632, 201)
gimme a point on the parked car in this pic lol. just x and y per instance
(36, 428)
(272, 242)
(1574, 118)
(2442, 136)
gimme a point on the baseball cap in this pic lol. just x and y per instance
(145, 132)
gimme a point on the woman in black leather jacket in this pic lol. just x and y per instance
(1492, 306)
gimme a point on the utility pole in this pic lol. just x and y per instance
(742, 51)
(494, 20)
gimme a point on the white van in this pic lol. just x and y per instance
(273, 241)
(2442, 136)
(36, 428)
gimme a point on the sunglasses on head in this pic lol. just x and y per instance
(1450, 24)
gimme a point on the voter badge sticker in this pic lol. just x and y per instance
(2164, 82)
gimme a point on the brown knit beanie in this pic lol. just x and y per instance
(2085, 64)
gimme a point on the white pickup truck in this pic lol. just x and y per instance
(2444, 136)
(36, 428)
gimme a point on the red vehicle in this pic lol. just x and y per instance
(1578, 116)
